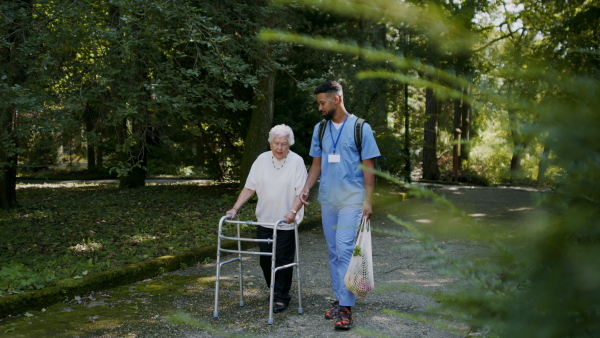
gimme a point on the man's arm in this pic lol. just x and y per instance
(369, 178)
(313, 176)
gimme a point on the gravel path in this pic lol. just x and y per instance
(189, 293)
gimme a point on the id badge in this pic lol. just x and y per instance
(334, 158)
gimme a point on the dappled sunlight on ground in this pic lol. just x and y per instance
(402, 280)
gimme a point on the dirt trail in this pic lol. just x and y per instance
(143, 309)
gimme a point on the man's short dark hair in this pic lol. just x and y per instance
(330, 87)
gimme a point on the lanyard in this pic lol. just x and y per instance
(338, 137)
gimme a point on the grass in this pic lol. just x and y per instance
(69, 230)
(83, 173)
(66, 173)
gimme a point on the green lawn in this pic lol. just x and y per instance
(68, 231)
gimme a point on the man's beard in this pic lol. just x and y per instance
(329, 115)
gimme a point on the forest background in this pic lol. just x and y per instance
(475, 91)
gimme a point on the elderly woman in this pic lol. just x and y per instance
(277, 177)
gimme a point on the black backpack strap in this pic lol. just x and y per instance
(321, 133)
(358, 126)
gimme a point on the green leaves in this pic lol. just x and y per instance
(73, 231)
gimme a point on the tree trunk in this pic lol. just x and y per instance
(407, 166)
(134, 130)
(13, 65)
(465, 146)
(464, 68)
(8, 169)
(462, 131)
(262, 119)
(515, 161)
(135, 178)
(207, 151)
(543, 166)
(90, 128)
(137, 157)
(99, 158)
(431, 170)
(100, 152)
(457, 124)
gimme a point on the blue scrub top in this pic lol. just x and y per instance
(343, 183)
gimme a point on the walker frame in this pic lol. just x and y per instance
(240, 252)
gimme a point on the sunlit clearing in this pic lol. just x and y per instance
(520, 209)
(65, 184)
(142, 238)
(85, 247)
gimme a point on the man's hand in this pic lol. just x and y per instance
(304, 196)
(367, 210)
(313, 175)
(369, 187)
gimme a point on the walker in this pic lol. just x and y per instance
(239, 251)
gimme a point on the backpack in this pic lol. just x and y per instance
(357, 134)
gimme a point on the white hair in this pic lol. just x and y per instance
(282, 130)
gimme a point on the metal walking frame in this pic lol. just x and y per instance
(239, 251)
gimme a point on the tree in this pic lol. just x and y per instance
(262, 57)
(260, 124)
(13, 74)
(156, 72)
(569, 43)
(546, 286)
(431, 170)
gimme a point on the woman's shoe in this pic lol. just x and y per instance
(279, 307)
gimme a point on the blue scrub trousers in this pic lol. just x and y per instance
(340, 224)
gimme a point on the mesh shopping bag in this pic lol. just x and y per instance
(359, 278)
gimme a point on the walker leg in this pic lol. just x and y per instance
(272, 286)
(241, 268)
(241, 278)
(271, 289)
(300, 309)
(216, 312)
(274, 270)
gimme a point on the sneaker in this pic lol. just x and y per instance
(344, 319)
(333, 312)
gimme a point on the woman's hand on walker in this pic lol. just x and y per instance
(231, 212)
(290, 217)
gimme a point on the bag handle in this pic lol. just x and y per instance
(365, 224)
